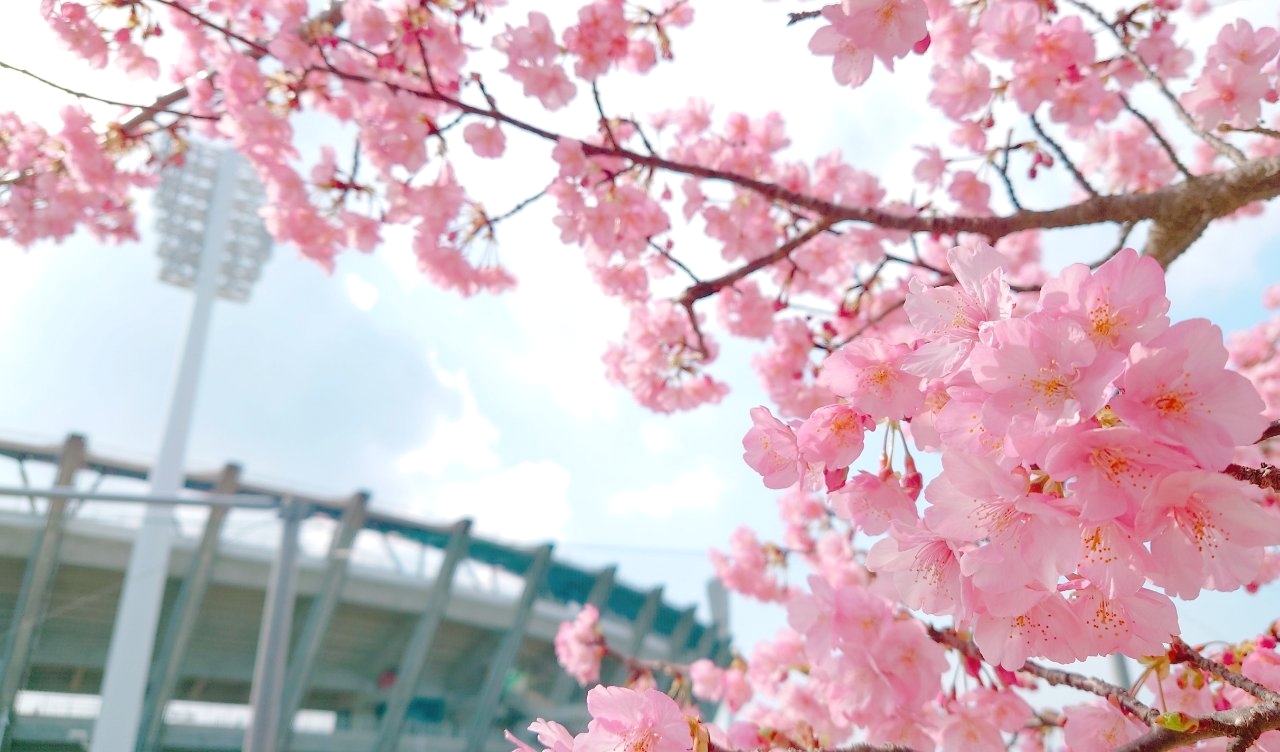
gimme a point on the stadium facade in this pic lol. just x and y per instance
(401, 635)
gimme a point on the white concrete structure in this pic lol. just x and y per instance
(438, 654)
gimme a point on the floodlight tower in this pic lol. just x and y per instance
(212, 240)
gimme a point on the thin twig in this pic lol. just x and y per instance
(515, 209)
(101, 100)
(1222, 147)
(805, 15)
(1059, 677)
(1062, 156)
(604, 119)
(1257, 129)
(1125, 229)
(1168, 147)
(682, 266)
(1003, 169)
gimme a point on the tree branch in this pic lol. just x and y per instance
(1267, 476)
(1181, 652)
(1239, 723)
(153, 107)
(710, 287)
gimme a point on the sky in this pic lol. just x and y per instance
(493, 407)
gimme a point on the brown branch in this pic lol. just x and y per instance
(1058, 677)
(1181, 652)
(1107, 690)
(1272, 431)
(1243, 725)
(1240, 723)
(804, 15)
(1266, 476)
(1257, 129)
(712, 286)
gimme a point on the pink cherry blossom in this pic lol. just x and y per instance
(833, 435)
(1177, 388)
(1206, 530)
(486, 140)
(622, 718)
(771, 449)
(580, 646)
(870, 374)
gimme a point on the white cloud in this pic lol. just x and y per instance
(466, 442)
(527, 503)
(690, 491)
(362, 293)
(565, 325)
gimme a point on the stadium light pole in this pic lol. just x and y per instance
(213, 241)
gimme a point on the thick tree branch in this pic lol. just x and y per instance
(1239, 723)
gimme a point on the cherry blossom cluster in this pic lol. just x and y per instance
(580, 646)
(1082, 439)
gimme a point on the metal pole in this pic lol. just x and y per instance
(504, 658)
(134, 633)
(273, 637)
(414, 660)
(303, 657)
(37, 589)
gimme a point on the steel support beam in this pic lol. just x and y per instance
(37, 588)
(302, 659)
(504, 657)
(678, 642)
(249, 501)
(707, 645)
(640, 627)
(273, 637)
(414, 659)
(562, 690)
(181, 623)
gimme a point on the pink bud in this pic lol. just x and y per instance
(836, 479)
(920, 47)
(73, 11)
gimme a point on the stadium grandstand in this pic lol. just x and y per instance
(402, 635)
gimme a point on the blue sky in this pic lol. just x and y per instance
(492, 407)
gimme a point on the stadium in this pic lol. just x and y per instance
(398, 634)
